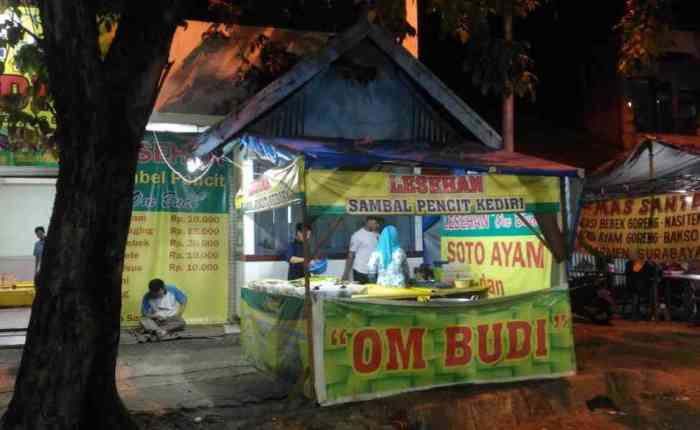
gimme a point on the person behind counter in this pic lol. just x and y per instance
(388, 263)
(295, 252)
(362, 243)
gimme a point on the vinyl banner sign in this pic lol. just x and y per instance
(367, 350)
(24, 142)
(275, 188)
(500, 251)
(381, 193)
(663, 228)
(273, 334)
(179, 233)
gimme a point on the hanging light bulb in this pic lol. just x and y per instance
(194, 164)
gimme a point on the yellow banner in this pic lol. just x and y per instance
(179, 233)
(507, 265)
(364, 193)
(188, 250)
(662, 228)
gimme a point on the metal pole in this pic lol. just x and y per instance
(655, 282)
(508, 125)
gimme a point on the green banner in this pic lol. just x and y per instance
(372, 350)
(503, 224)
(179, 231)
(273, 334)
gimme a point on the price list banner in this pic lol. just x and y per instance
(179, 233)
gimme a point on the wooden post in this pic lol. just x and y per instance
(508, 126)
(308, 315)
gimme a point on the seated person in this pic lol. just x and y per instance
(162, 308)
(639, 274)
(388, 263)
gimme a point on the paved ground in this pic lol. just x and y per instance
(13, 323)
(639, 376)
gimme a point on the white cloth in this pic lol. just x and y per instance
(363, 243)
(164, 307)
(393, 274)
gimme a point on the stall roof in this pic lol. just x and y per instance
(330, 154)
(676, 168)
(306, 70)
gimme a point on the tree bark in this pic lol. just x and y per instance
(66, 378)
(508, 127)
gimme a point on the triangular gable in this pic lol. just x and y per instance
(307, 69)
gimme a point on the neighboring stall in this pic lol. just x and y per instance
(647, 202)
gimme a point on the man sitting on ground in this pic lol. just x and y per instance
(162, 308)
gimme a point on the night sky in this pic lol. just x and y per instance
(572, 43)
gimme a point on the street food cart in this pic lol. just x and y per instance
(345, 342)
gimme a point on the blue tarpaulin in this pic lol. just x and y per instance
(332, 154)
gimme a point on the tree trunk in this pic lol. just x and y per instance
(66, 378)
(508, 127)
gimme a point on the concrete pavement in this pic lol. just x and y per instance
(648, 371)
(203, 369)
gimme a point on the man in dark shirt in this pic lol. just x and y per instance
(295, 252)
(39, 247)
(640, 274)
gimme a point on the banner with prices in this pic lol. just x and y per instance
(179, 233)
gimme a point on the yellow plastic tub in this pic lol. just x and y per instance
(14, 297)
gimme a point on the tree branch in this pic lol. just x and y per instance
(72, 57)
(28, 31)
(138, 54)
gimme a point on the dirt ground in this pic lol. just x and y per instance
(631, 375)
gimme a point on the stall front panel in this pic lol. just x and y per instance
(273, 334)
(371, 349)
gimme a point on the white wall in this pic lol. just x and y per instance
(24, 204)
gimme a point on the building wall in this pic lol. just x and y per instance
(26, 204)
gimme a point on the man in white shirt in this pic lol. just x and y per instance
(362, 243)
(162, 308)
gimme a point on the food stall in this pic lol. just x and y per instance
(647, 202)
(345, 342)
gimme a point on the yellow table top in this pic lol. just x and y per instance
(381, 292)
